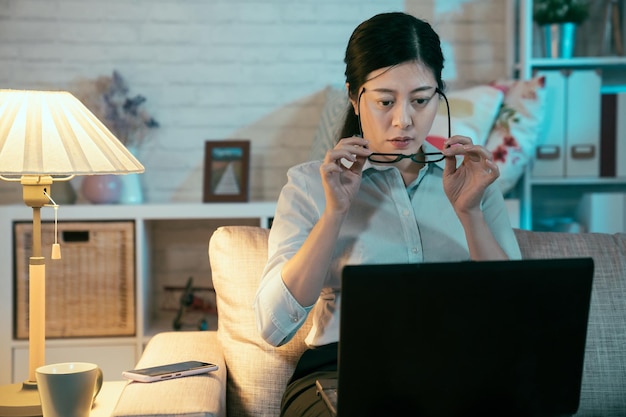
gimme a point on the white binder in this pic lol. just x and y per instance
(582, 124)
(550, 152)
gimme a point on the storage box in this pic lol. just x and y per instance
(582, 158)
(571, 144)
(603, 212)
(90, 291)
(550, 153)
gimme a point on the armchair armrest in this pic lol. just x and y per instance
(199, 395)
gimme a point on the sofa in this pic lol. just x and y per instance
(252, 374)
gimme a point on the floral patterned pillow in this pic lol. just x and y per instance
(331, 120)
(472, 112)
(517, 128)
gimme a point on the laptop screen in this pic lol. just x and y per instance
(464, 338)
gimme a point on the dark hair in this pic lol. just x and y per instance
(385, 40)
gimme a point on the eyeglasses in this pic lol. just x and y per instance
(419, 158)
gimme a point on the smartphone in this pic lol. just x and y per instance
(169, 371)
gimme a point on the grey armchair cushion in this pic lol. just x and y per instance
(603, 391)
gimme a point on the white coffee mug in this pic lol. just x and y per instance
(68, 389)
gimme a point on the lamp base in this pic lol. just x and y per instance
(20, 400)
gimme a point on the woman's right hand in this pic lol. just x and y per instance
(342, 182)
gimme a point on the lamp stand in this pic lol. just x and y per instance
(22, 400)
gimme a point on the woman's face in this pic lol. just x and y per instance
(397, 107)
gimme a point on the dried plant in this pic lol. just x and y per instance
(107, 97)
(547, 12)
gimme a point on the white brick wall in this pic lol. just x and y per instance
(223, 69)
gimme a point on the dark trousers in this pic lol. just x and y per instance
(300, 398)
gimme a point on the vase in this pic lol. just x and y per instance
(131, 192)
(559, 40)
(102, 189)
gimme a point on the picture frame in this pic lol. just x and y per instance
(226, 171)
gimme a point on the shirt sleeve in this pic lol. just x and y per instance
(496, 215)
(278, 313)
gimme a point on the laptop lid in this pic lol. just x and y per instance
(463, 339)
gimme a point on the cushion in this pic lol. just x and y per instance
(472, 113)
(331, 120)
(514, 135)
(603, 391)
(192, 396)
(237, 255)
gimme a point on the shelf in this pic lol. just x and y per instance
(613, 89)
(559, 181)
(613, 68)
(176, 232)
(558, 197)
(80, 341)
(579, 62)
(162, 324)
(185, 211)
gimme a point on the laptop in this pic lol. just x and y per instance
(489, 338)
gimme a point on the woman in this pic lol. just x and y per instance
(381, 195)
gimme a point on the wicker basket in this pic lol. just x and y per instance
(90, 292)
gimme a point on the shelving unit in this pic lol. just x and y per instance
(113, 354)
(548, 198)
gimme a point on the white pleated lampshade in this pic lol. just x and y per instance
(53, 133)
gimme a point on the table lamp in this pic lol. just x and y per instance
(48, 136)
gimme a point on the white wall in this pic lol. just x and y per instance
(217, 69)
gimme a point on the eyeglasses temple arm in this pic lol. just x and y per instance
(448, 108)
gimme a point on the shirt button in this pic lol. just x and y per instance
(294, 318)
(405, 213)
(414, 250)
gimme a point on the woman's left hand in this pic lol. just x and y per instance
(466, 184)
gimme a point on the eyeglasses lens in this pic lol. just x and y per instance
(420, 158)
